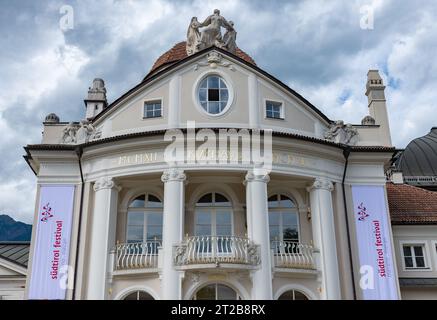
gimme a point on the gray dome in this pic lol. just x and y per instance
(420, 156)
(52, 118)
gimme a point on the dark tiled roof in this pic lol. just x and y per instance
(411, 205)
(179, 52)
(418, 282)
(16, 252)
(160, 132)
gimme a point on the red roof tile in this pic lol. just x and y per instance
(178, 52)
(411, 205)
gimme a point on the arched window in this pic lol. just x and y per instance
(144, 219)
(293, 295)
(283, 219)
(213, 216)
(138, 295)
(216, 291)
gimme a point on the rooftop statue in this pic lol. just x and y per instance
(211, 34)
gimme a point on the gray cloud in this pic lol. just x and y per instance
(315, 46)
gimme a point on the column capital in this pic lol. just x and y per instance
(322, 183)
(105, 183)
(257, 175)
(173, 174)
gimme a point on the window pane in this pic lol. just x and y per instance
(407, 251)
(157, 113)
(213, 82)
(225, 293)
(213, 95)
(290, 233)
(223, 217)
(203, 217)
(269, 114)
(153, 202)
(205, 200)
(220, 198)
(222, 84)
(135, 218)
(408, 262)
(203, 84)
(299, 296)
(420, 262)
(154, 219)
(214, 107)
(204, 105)
(202, 95)
(203, 230)
(154, 232)
(274, 218)
(206, 293)
(286, 202)
(224, 95)
(224, 231)
(142, 295)
(138, 202)
(288, 295)
(289, 219)
(134, 234)
(149, 114)
(418, 251)
(274, 232)
(273, 201)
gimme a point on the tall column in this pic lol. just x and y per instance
(102, 236)
(322, 220)
(174, 181)
(258, 231)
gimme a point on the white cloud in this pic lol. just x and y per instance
(317, 47)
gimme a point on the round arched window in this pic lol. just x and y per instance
(213, 94)
(144, 219)
(138, 295)
(216, 291)
(293, 295)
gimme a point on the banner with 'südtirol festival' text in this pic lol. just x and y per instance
(374, 243)
(52, 243)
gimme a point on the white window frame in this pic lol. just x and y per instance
(160, 100)
(282, 111)
(213, 212)
(426, 256)
(229, 85)
(145, 211)
(292, 210)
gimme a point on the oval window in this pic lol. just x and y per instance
(213, 94)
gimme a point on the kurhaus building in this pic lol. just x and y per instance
(115, 220)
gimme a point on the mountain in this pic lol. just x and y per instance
(11, 230)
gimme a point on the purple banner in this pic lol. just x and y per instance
(378, 278)
(52, 243)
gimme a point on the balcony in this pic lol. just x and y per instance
(292, 255)
(138, 255)
(200, 252)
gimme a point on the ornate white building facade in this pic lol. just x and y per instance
(142, 227)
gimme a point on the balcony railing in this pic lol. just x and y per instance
(291, 254)
(216, 249)
(137, 255)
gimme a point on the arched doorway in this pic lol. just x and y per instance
(293, 295)
(216, 291)
(138, 295)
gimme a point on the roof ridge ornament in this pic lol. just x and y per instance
(342, 133)
(211, 34)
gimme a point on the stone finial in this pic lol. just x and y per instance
(342, 133)
(211, 34)
(368, 121)
(51, 118)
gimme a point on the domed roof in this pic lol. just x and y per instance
(420, 156)
(178, 52)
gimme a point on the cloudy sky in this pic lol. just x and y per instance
(317, 47)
